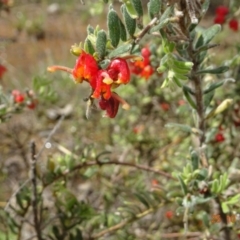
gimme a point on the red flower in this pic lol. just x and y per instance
(219, 137)
(118, 71)
(165, 106)
(143, 67)
(111, 106)
(101, 81)
(18, 96)
(219, 19)
(86, 68)
(116, 74)
(154, 182)
(169, 214)
(2, 70)
(222, 10)
(233, 24)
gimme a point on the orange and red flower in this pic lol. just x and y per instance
(143, 67)
(102, 81)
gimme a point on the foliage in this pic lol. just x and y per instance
(168, 166)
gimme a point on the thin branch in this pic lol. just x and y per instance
(37, 224)
(37, 156)
(125, 222)
(145, 30)
(100, 163)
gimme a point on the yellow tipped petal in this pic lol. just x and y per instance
(108, 81)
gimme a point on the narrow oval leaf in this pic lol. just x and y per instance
(124, 48)
(218, 70)
(213, 86)
(183, 185)
(154, 7)
(113, 27)
(138, 7)
(101, 43)
(123, 32)
(130, 23)
(207, 35)
(130, 9)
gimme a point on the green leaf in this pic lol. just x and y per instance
(122, 49)
(218, 70)
(137, 4)
(101, 43)
(183, 185)
(184, 128)
(142, 199)
(113, 27)
(90, 30)
(88, 47)
(207, 35)
(233, 200)
(189, 99)
(168, 46)
(123, 32)
(164, 20)
(130, 9)
(213, 86)
(208, 98)
(130, 22)
(205, 6)
(154, 8)
(225, 207)
(195, 160)
(104, 64)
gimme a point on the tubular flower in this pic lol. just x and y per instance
(143, 67)
(86, 68)
(111, 105)
(100, 80)
(116, 74)
(119, 71)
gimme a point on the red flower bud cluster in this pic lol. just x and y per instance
(220, 18)
(143, 67)
(102, 81)
(27, 100)
(219, 137)
(169, 214)
(2, 70)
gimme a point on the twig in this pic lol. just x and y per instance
(37, 224)
(145, 30)
(128, 164)
(125, 222)
(226, 230)
(37, 156)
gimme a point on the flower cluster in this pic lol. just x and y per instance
(143, 67)
(102, 81)
(29, 100)
(220, 18)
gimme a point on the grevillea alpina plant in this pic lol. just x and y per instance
(203, 194)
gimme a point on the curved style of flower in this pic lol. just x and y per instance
(102, 81)
(143, 67)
